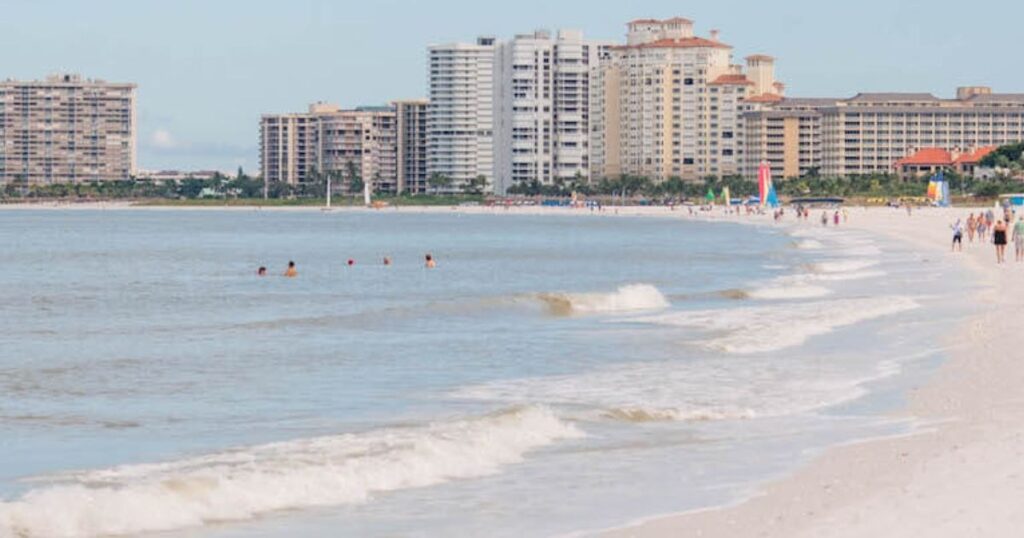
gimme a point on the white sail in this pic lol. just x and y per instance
(328, 191)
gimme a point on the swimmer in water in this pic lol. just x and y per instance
(292, 272)
(387, 261)
(430, 262)
(351, 262)
(262, 271)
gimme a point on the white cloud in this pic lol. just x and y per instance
(163, 139)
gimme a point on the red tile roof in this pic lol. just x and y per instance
(765, 98)
(679, 20)
(684, 43)
(762, 57)
(645, 21)
(739, 80)
(927, 157)
(974, 157)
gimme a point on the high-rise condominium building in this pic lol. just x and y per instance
(297, 148)
(668, 103)
(66, 129)
(870, 132)
(411, 117)
(460, 116)
(542, 107)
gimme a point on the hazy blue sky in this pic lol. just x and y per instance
(206, 70)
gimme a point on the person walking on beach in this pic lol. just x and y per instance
(1018, 239)
(972, 227)
(999, 238)
(982, 229)
(835, 218)
(291, 272)
(824, 218)
(958, 236)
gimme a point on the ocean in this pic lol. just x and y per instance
(554, 375)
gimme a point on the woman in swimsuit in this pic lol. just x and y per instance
(999, 238)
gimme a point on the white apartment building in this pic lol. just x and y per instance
(460, 116)
(669, 103)
(66, 129)
(542, 107)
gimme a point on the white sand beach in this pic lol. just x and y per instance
(963, 477)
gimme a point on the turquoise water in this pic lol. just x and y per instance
(554, 374)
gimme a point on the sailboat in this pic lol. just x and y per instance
(327, 207)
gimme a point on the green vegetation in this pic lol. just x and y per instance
(1010, 157)
(1006, 163)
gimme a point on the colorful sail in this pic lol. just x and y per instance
(938, 190)
(765, 187)
(764, 181)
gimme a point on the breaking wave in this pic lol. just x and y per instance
(245, 483)
(631, 298)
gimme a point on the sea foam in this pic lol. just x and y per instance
(245, 483)
(771, 328)
(686, 391)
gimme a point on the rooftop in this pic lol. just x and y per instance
(682, 43)
(733, 79)
(927, 157)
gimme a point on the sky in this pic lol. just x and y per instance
(207, 69)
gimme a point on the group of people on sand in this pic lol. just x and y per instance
(981, 225)
(292, 271)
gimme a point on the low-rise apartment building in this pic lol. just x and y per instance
(870, 132)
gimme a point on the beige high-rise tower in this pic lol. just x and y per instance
(669, 103)
(66, 129)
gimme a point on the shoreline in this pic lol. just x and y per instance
(890, 486)
(958, 476)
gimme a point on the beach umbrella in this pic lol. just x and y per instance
(710, 196)
(726, 195)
